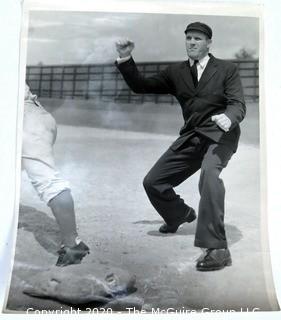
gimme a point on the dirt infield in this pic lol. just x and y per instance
(105, 167)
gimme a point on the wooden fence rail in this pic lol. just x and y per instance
(105, 82)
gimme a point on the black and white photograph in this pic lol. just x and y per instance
(141, 165)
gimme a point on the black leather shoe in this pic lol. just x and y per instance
(168, 228)
(72, 255)
(214, 259)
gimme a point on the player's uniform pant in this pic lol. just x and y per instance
(39, 135)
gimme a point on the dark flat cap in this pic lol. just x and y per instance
(201, 27)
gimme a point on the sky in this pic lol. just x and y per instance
(61, 37)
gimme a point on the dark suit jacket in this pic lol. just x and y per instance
(219, 91)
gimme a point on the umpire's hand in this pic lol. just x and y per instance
(124, 47)
(222, 121)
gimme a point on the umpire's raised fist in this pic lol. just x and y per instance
(124, 47)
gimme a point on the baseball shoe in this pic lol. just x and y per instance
(72, 255)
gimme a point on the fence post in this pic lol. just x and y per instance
(157, 70)
(40, 82)
(62, 82)
(88, 82)
(101, 86)
(74, 83)
(51, 83)
(256, 81)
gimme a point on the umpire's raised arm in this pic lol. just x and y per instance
(159, 83)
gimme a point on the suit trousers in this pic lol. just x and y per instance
(174, 167)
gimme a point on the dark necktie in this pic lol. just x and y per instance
(194, 73)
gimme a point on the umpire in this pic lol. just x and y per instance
(210, 94)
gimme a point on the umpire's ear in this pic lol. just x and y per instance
(209, 43)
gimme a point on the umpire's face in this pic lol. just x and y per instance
(197, 44)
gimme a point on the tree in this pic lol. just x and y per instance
(244, 53)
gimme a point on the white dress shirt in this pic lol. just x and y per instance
(124, 59)
(201, 65)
